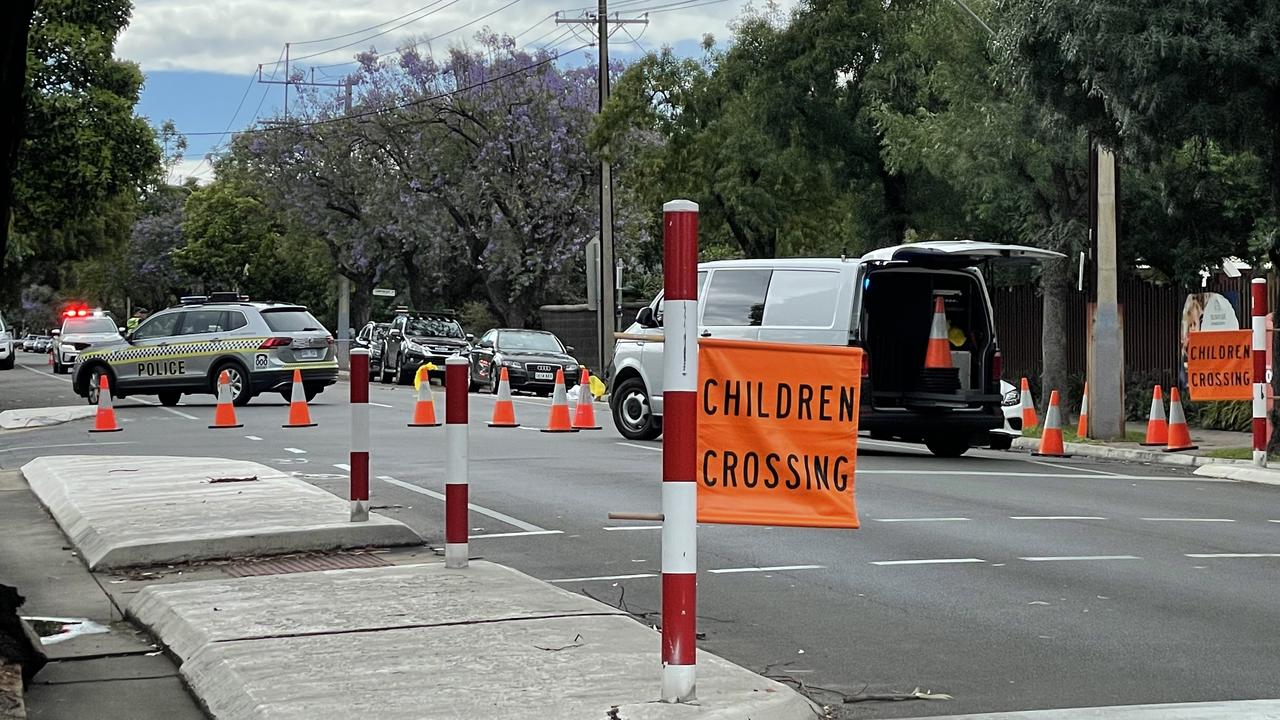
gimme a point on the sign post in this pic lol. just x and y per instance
(679, 450)
(1259, 349)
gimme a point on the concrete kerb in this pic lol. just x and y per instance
(1211, 466)
(43, 417)
(486, 641)
(121, 511)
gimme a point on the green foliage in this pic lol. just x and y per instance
(476, 318)
(1236, 416)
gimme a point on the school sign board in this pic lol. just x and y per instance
(1219, 365)
(777, 433)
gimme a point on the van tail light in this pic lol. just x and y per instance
(275, 342)
(997, 366)
(866, 365)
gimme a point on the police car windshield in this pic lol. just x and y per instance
(89, 324)
(536, 342)
(295, 320)
(433, 327)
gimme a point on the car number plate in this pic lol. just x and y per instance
(544, 376)
(309, 354)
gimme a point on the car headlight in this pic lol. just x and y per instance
(1010, 398)
(67, 348)
(511, 364)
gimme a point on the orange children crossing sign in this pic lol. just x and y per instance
(1219, 365)
(777, 433)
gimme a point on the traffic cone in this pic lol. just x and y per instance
(1157, 426)
(299, 415)
(558, 422)
(1029, 419)
(225, 415)
(1179, 434)
(424, 409)
(1051, 439)
(1082, 427)
(938, 375)
(584, 412)
(504, 411)
(105, 420)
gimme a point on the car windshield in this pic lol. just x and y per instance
(536, 342)
(292, 320)
(433, 327)
(90, 324)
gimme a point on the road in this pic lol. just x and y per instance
(1007, 582)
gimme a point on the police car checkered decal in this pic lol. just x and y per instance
(177, 350)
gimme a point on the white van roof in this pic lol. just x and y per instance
(942, 253)
(782, 263)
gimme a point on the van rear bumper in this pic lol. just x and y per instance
(916, 424)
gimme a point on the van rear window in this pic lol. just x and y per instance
(801, 298)
(290, 320)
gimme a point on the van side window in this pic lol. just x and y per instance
(801, 298)
(736, 297)
(702, 294)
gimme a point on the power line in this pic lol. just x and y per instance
(384, 32)
(371, 27)
(531, 27)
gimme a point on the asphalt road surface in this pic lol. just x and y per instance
(1006, 582)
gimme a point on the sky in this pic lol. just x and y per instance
(201, 57)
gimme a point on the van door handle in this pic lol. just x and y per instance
(706, 333)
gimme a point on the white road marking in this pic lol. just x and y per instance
(777, 568)
(382, 405)
(1080, 557)
(296, 451)
(253, 437)
(1064, 466)
(49, 375)
(342, 466)
(935, 561)
(179, 413)
(1055, 517)
(517, 534)
(641, 447)
(1188, 519)
(62, 445)
(1233, 555)
(633, 527)
(999, 473)
(529, 527)
(526, 427)
(604, 577)
(925, 519)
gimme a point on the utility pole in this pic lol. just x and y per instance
(606, 310)
(1106, 341)
(344, 283)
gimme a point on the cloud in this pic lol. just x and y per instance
(234, 36)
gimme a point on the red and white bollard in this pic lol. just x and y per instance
(679, 451)
(359, 435)
(1259, 352)
(456, 385)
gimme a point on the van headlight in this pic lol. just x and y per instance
(1010, 398)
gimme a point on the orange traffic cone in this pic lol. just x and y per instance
(424, 409)
(1082, 427)
(504, 411)
(584, 412)
(225, 415)
(1157, 426)
(558, 422)
(1051, 440)
(105, 420)
(299, 415)
(938, 356)
(1179, 434)
(1028, 403)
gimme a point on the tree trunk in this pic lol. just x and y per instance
(361, 299)
(419, 296)
(895, 204)
(13, 77)
(1055, 283)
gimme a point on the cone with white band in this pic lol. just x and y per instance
(558, 420)
(1082, 427)
(1179, 433)
(225, 415)
(1051, 440)
(105, 419)
(1028, 404)
(584, 414)
(424, 408)
(1157, 425)
(299, 414)
(504, 411)
(938, 375)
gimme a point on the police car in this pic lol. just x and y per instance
(81, 328)
(183, 350)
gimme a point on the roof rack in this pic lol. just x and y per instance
(442, 312)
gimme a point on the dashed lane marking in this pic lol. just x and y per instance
(342, 466)
(640, 447)
(1183, 519)
(1232, 555)
(253, 437)
(1055, 517)
(773, 568)
(924, 519)
(633, 527)
(528, 527)
(296, 451)
(932, 561)
(1058, 558)
(525, 533)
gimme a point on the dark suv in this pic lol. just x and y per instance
(419, 337)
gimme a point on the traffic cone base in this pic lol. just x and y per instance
(584, 414)
(504, 411)
(299, 413)
(424, 408)
(558, 421)
(1051, 440)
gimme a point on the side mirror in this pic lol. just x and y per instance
(645, 317)
(122, 330)
(568, 349)
(471, 338)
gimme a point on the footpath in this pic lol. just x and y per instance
(183, 588)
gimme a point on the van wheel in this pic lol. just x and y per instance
(632, 414)
(947, 447)
(1000, 441)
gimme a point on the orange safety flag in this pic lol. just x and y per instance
(1219, 366)
(777, 433)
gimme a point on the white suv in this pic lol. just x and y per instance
(882, 302)
(7, 346)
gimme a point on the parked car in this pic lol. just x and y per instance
(44, 343)
(28, 343)
(419, 337)
(8, 350)
(370, 338)
(882, 302)
(1002, 437)
(184, 349)
(531, 358)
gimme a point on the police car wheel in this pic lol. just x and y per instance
(241, 393)
(94, 383)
